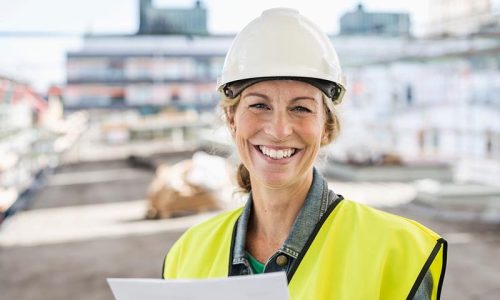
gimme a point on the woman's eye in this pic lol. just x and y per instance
(259, 106)
(301, 109)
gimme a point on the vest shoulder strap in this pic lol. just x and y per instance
(203, 250)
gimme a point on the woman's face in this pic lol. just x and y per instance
(278, 127)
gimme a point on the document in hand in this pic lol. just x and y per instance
(270, 286)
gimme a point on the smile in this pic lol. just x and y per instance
(276, 153)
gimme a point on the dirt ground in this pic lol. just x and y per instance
(78, 269)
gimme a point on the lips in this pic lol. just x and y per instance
(277, 153)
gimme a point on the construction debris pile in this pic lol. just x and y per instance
(190, 186)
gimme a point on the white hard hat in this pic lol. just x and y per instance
(282, 44)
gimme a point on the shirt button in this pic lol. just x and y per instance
(281, 260)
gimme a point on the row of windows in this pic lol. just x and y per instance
(143, 69)
(139, 94)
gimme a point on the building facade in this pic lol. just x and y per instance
(23, 146)
(437, 104)
(145, 70)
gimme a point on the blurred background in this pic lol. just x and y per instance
(111, 142)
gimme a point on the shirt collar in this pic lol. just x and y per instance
(315, 205)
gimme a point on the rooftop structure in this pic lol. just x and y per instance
(190, 21)
(361, 22)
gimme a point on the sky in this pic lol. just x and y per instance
(40, 60)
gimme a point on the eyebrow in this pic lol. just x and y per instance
(267, 98)
(256, 95)
(303, 98)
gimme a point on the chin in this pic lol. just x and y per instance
(276, 179)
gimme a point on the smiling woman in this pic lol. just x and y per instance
(280, 82)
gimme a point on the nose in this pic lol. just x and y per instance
(278, 126)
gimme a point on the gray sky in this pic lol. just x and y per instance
(41, 60)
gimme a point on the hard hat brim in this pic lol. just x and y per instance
(331, 89)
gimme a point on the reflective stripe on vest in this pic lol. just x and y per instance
(356, 253)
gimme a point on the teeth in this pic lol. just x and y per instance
(277, 154)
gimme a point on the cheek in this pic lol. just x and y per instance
(312, 131)
(246, 126)
(245, 123)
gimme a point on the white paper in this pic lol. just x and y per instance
(269, 286)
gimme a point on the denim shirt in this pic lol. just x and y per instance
(319, 198)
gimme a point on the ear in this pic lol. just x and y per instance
(324, 137)
(230, 121)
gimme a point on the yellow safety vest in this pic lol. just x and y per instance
(357, 252)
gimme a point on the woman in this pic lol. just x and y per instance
(280, 81)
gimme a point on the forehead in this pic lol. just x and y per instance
(291, 88)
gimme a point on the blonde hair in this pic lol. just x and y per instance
(332, 125)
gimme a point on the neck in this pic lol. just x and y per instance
(273, 214)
